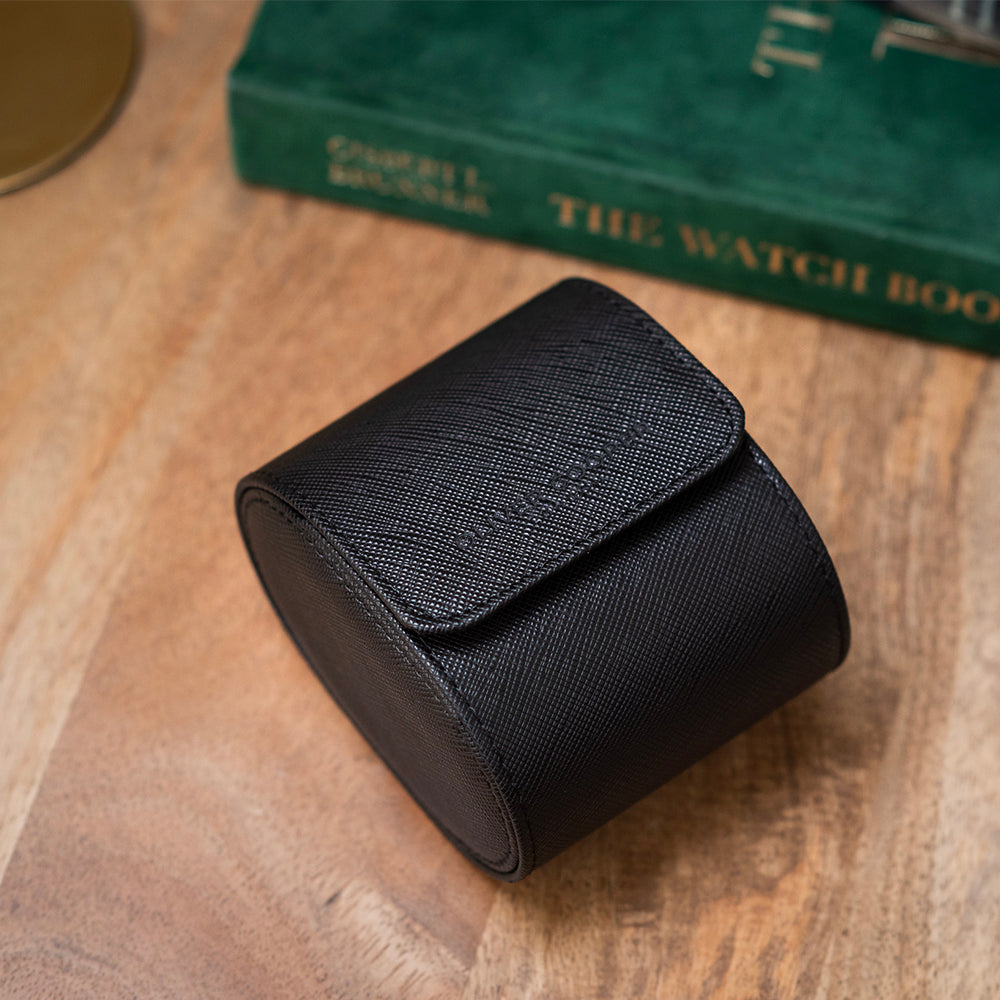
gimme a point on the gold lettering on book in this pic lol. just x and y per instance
(901, 288)
(697, 241)
(972, 303)
(776, 254)
(823, 270)
(941, 297)
(599, 220)
(819, 269)
(859, 279)
(741, 248)
(399, 173)
(792, 35)
(568, 206)
(773, 259)
(779, 259)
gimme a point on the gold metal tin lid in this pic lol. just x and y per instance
(64, 68)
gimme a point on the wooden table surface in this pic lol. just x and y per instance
(186, 814)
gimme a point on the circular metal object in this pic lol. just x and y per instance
(64, 69)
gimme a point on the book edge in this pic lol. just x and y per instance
(675, 185)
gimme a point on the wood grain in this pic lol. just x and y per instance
(186, 814)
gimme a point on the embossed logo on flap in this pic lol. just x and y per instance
(558, 490)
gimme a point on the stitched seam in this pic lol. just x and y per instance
(644, 506)
(511, 850)
(807, 532)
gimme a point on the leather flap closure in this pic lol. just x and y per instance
(503, 460)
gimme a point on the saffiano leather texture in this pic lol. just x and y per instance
(545, 573)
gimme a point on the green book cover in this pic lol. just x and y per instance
(828, 156)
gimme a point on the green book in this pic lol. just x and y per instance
(828, 156)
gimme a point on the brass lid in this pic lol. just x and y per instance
(64, 68)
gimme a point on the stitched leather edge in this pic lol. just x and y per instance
(523, 861)
(418, 620)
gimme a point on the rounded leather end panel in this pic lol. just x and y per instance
(381, 679)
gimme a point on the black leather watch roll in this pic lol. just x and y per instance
(545, 573)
